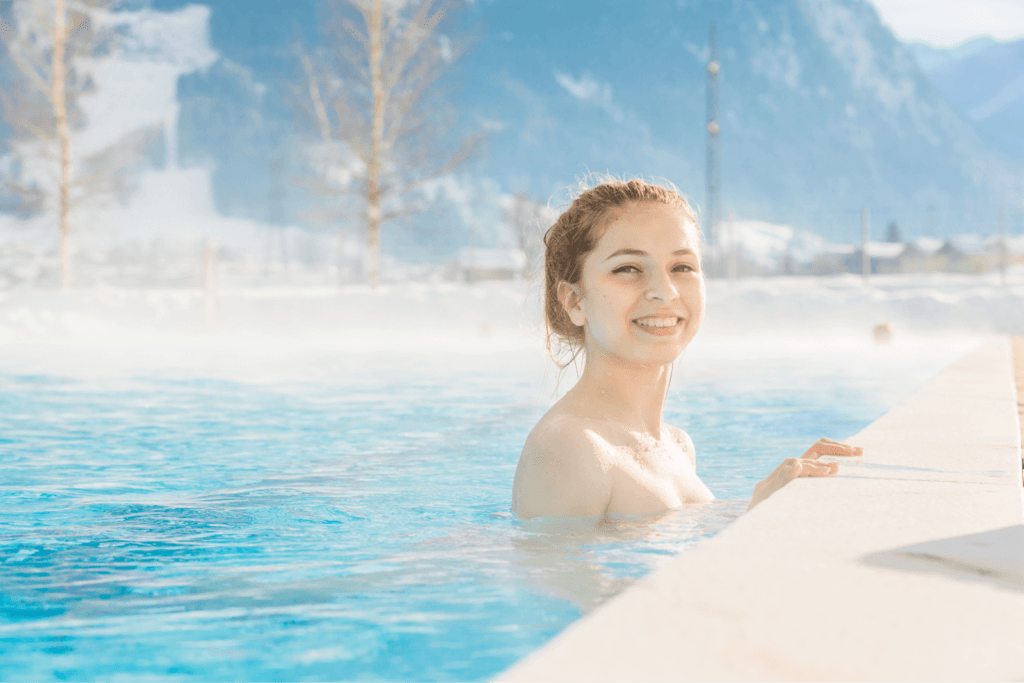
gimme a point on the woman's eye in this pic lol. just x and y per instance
(626, 269)
(683, 268)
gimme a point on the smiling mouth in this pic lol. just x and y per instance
(657, 324)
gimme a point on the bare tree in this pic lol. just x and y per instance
(48, 45)
(381, 120)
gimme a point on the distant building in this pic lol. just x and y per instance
(832, 260)
(473, 264)
(922, 256)
(1015, 250)
(766, 249)
(969, 254)
(885, 258)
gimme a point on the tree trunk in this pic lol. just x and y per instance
(373, 212)
(60, 110)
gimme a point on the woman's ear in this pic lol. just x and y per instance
(569, 296)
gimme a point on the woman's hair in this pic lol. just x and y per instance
(575, 234)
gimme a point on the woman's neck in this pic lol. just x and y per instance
(631, 394)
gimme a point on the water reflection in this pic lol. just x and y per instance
(588, 561)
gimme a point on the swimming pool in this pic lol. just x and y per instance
(355, 525)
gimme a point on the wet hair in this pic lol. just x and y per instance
(575, 234)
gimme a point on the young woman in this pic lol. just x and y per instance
(624, 286)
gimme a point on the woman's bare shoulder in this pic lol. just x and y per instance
(558, 424)
(564, 439)
(562, 470)
(684, 441)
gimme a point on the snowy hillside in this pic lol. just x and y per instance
(824, 112)
(984, 80)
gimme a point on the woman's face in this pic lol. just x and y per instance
(643, 288)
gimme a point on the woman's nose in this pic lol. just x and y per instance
(661, 287)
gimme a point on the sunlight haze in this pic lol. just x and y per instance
(947, 23)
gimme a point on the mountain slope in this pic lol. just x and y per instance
(823, 110)
(984, 81)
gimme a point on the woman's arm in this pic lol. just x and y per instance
(561, 473)
(806, 465)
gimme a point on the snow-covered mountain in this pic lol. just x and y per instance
(984, 80)
(824, 112)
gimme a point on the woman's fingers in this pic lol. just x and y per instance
(788, 470)
(830, 447)
(792, 468)
(809, 468)
(845, 448)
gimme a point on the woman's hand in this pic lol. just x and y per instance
(806, 465)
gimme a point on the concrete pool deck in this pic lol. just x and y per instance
(906, 565)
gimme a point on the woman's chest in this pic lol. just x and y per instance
(651, 477)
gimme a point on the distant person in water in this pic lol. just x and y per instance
(624, 288)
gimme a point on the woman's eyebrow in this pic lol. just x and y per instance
(627, 252)
(638, 252)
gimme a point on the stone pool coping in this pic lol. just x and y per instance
(907, 565)
(1018, 371)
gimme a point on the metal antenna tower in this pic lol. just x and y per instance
(713, 172)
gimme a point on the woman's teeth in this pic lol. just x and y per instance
(657, 322)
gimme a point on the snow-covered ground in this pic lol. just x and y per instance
(255, 329)
(938, 303)
(934, 303)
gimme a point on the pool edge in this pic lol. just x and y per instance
(872, 574)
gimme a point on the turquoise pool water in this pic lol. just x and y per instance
(354, 527)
